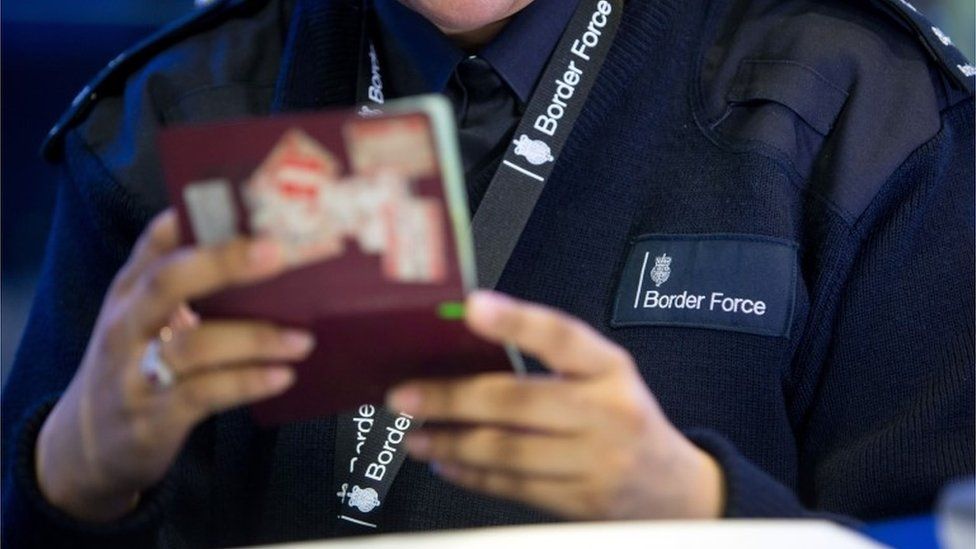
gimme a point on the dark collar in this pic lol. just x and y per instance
(321, 56)
(519, 53)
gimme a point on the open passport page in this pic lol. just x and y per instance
(372, 214)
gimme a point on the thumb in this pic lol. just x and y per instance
(562, 342)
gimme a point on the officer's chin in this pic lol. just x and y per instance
(461, 16)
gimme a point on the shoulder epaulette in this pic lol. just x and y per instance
(938, 44)
(113, 76)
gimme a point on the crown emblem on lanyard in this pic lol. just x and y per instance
(535, 151)
(364, 499)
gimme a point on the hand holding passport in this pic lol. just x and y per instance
(371, 213)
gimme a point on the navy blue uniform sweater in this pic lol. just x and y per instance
(822, 125)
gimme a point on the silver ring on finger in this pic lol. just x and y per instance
(154, 367)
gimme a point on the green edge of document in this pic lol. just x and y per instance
(451, 310)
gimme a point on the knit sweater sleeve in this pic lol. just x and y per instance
(890, 418)
(88, 244)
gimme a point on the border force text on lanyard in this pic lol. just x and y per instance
(369, 450)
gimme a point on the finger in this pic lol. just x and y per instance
(184, 318)
(503, 449)
(213, 344)
(564, 343)
(197, 271)
(160, 237)
(206, 394)
(540, 403)
(566, 497)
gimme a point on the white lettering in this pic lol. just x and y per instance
(592, 36)
(394, 436)
(579, 50)
(375, 94)
(555, 111)
(654, 299)
(375, 90)
(599, 20)
(545, 125)
(736, 304)
(594, 30)
(566, 87)
(571, 77)
(564, 90)
(375, 471)
(364, 424)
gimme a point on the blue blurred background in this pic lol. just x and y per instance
(50, 48)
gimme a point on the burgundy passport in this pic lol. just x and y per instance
(372, 215)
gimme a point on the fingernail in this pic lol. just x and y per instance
(184, 318)
(448, 470)
(263, 252)
(298, 341)
(486, 306)
(418, 444)
(192, 318)
(280, 378)
(405, 399)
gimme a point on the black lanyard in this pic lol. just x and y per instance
(369, 450)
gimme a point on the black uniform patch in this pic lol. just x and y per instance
(741, 283)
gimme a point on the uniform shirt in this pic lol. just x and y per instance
(815, 152)
(489, 88)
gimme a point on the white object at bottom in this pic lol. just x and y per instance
(745, 534)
